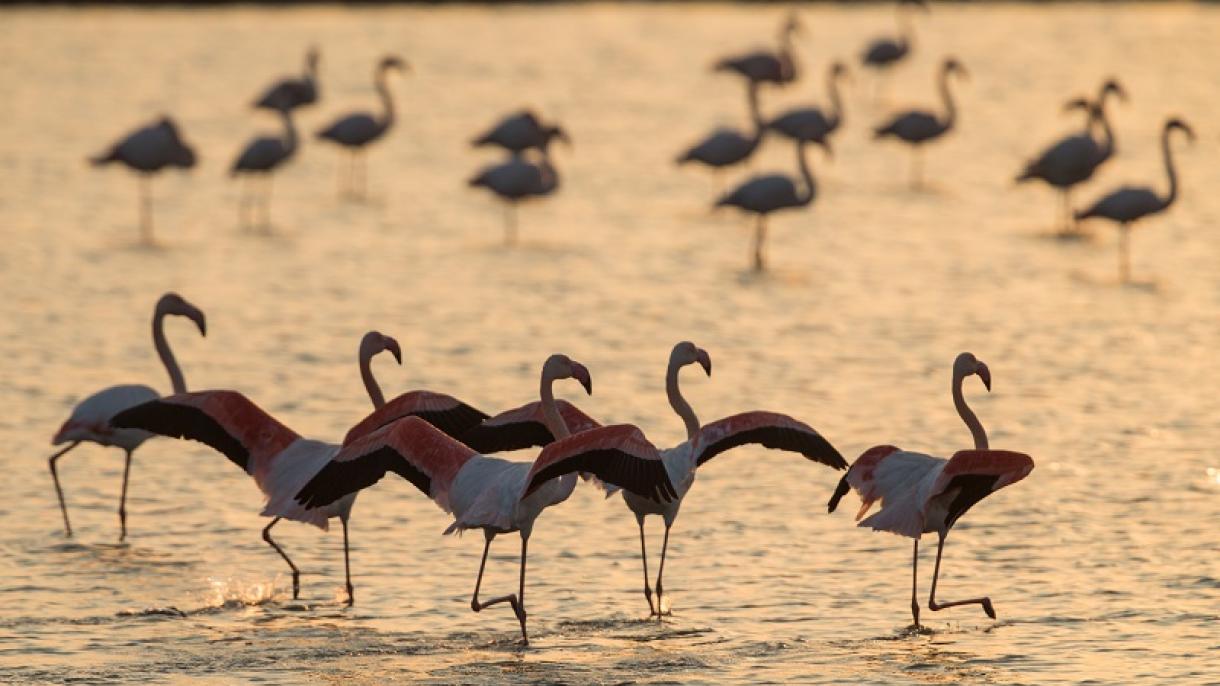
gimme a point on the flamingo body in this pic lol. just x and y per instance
(90, 419)
(150, 149)
(912, 127)
(723, 148)
(765, 194)
(355, 130)
(519, 132)
(517, 179)
(884, 52)
(291, 93)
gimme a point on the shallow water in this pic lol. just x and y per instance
(1102, 564)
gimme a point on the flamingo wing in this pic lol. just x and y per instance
(768, 429)
(899, 479)
(524, 427)
(411, 448)
(226, 421)
(975, 474)
(445, 412)
(618, 455)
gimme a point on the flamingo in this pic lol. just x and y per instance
(358, 130)
(1074, 159)
(917, 127)
(769, 193)
(922, 494)
(280, 460)
(515, 180)
(767, 67)
(488, 493)
(90, 418)
(725, 147)
(703, 442)
(813, 123)
(1132, 203)
(261, 157)
(291, 93)
(146, 151)
(521, 131)
(884, 53)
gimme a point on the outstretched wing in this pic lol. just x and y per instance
(618, 455)
(445, 412)
(524, 427)
(227, 421)
(768, 429)
(411, 448)
(975, 474)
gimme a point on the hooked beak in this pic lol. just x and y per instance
(200, 321)
(704, 360)
(984, 374)
(392, 346)
(581, 374)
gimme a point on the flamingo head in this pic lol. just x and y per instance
(556, 132)
(967, 364)
(559, 366)
(839, 70)
(792, 25)
(1176, 123)
(953, 66)
(312, 57)
(685, 353)
(1111, 87)
(375, 342)
(392, 62)
(172, 303)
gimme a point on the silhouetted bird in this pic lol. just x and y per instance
(148, 150)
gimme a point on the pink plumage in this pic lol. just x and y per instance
(451, 415)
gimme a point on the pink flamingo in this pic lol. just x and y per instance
(495, 495)
(280, 460)
(922, 494)
(90, 418)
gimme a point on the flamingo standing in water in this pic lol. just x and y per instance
(884, 53)
(521, 131)
(1132, 203)
(764, 66)
(261, 157)
(280, 460)
(488, 493)
(516, 180)
(769, 193)
(922, 494)
(812, 123)
(917, 127)
(90, 418)
(1073, 159)
(146, 151)
(725, 147)
(292, 92)
(356, 131)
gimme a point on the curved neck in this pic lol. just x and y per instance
(968, 416)
(550, 412)
(802, 162)
(167, 355)
(1169, 170)
(386, 101)
(947, 96)
(1107, 144)
(679, 403)
(370, 383)
(836, 104)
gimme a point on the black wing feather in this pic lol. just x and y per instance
(811, 445)
(338, 479)
(646, 478)
(183, 421)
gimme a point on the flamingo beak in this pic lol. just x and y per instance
(704, 360)
(581, 374)
(984, 374)
(392, 345)
(200, 320)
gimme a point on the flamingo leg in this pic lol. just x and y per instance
(511, 598)
(1124, 252)
(145, 210)
(123, 499)
(661, 572)
(59, 491)
(644, 557)
(1069, 221)
(267, 203)
(916, 168)
(915, 583)
(510, 224)
(347, 566)
(760, 236)
(936, 607)
(296, 573)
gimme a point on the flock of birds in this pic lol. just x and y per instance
(529, 170)
(444, 447)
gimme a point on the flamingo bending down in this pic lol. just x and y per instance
(764, 66)
(917, 127)
(922, 494)
(146, 151)
(769, 193)
(91, 417)
(521, 131)
(488, 493)
(280, 460)
(291, 93)
(516, 180)
(812, 123)
(725, 147)
(1132, 203)
(1074, 159)
(261, 157)
(884, 53)
(356, 131)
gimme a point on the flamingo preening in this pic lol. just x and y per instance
(521, 131)
(516, 180)
(1132, 203)
(769, 193)
(917, 127)
(1074, 159)
(292, 92)
(725, 147)
(812, 123)
(90, 420)
(146, 151)
(356, 131)
(884, 53)
(260, 158)
(488, 493)
(922, 494)
(764, 66)
(280, 460)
